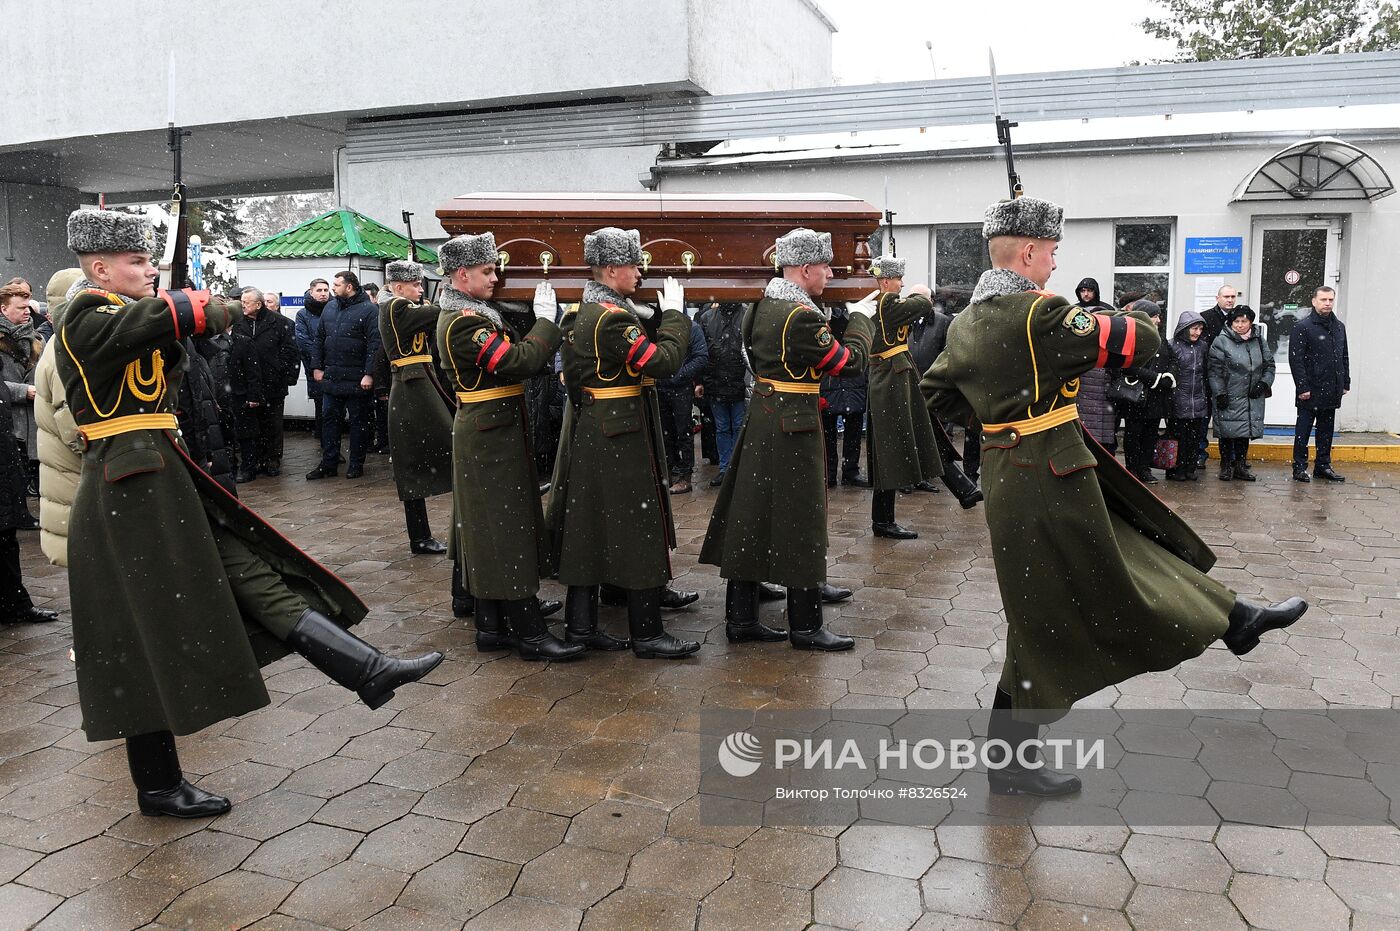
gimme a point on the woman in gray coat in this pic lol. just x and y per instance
(1241, 372)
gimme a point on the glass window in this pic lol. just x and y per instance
(1142, 262)
(1142, 245)
(960, 258)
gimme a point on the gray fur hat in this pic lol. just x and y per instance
(109, 231)
(1024, 216)
(887, 266)
(612, 246)
(403, 270)
(467, 251)
(803, 247)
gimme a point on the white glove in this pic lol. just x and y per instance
(865, 306)
(1170, 377)
(546, 302)
(643, 311)
(671, 296)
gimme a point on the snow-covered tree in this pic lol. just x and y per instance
(1212, 30)
(265, 216)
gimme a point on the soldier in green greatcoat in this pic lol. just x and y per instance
(180, 592)
(769, 524)
(498, 537)
(420, 412)
(1100, 580)
(610, 510)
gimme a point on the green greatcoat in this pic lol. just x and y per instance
(903, 451)
(172, 609)
(420, 412)
(769, 522)
(498, 531)
(1100, 580)
(609, 508)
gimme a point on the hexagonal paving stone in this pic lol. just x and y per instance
(345, 894)
(755, 906)
(411, 843)
(975, 890)
(517, 835)
(302, 853)
(1271, 851)
(1097, 880)
(788, 858)
(619, 826)
(854, 899)
(233, 900)
(460, 886)
(1277, 903)
(892, 849)
(1152, 908)
(1177, 863)
(678, 867)
(572, 875)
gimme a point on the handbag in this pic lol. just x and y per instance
(1165, 454)
(1125, 391)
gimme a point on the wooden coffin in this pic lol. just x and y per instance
(720, 246)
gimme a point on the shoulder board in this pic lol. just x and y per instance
(468, 312)
(613, 308)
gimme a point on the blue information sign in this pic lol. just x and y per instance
(1214, 255)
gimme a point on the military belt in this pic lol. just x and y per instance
(410, 360)
(1035, 424)
(891, 353)
(490, 394)
(648, 382)
(626, 391)
(792, 387)
(128, 424)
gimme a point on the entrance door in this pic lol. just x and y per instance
(1291, 258)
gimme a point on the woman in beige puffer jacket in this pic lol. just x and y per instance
(60, 454)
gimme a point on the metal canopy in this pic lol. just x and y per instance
(1324, 168)
(1154, 90)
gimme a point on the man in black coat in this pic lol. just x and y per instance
(1317, 356)
(15, 604)
(342, 360)
(275, 347)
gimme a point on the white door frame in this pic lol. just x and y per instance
(1280, 409)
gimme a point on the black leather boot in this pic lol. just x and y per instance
(962, 487)
(1243, 473)
(649, 637)
(581, 621)
(767, 591)
(161, 788)
(420, 535)
(351, 662)
(532, 639)
(882, 518)
(741, 615)
(1249, 621)
(1012, 777)
(832, 595)
(463, 604)
(805, 628)
(492, 626)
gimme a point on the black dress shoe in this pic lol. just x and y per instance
(820, 639)
(428, 547)
(1301, 475)
(32, 616)
(1249, 621)
(673, 599)
(928, 486)
(767, 591)
(1243, 474)
(549, 606)
(354, 471)
(246, 476)
(753, 633)
(906, 489)
(832, 595)
(321, 471)
(1044, 782)
(1325, 472)
(183, 801)
(1174, 476)
(893, 531)
(717, 481)
(1146, 477)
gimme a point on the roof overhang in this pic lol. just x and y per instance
(1321, 168)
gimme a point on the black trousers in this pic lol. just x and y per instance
(1233, 451)
(677, 430)
(852, 429)
(1189, 433)
(14, 597)
(153, 762)
(1139, 442)
(972, 451)
(381, 422)
(1325, 422)
(334, 408)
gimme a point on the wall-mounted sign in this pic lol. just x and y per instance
(1214, 255)
(1292, 276)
